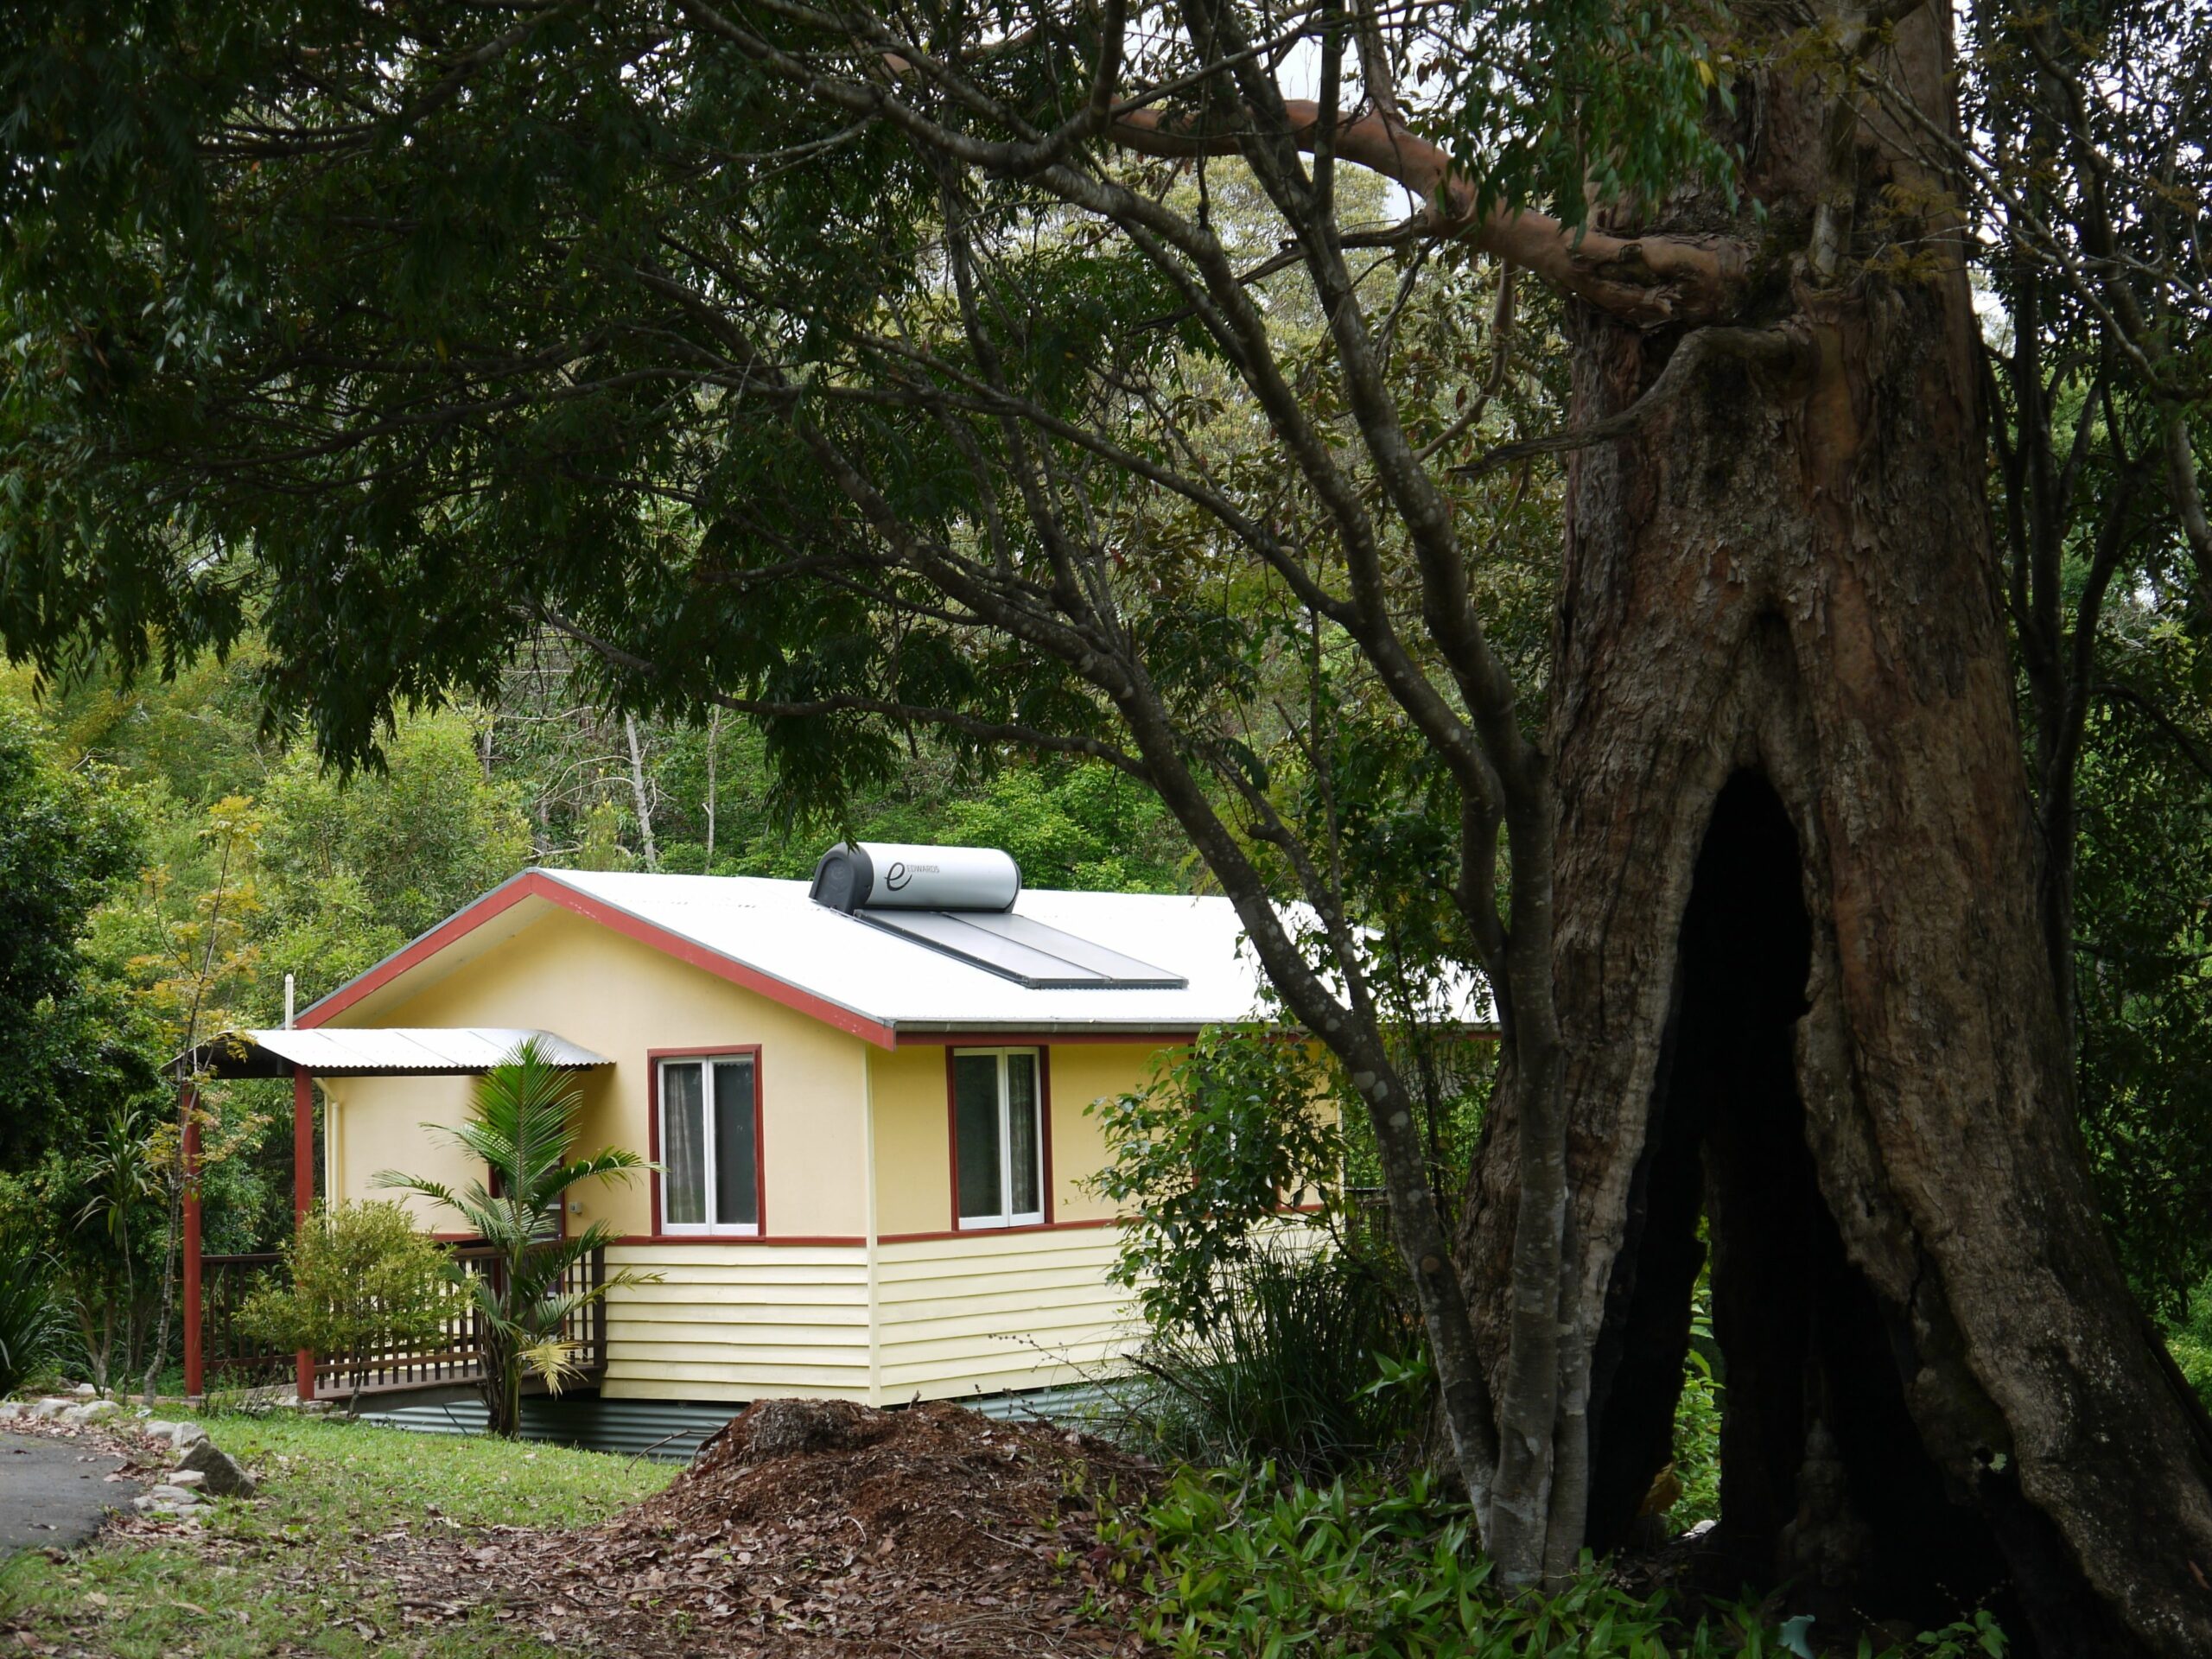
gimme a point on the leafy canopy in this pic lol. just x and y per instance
(405, 329)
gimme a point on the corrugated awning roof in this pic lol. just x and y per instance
(387, 1052)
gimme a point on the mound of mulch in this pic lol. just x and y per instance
(816, 1528)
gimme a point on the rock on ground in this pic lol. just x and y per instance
(222, 1476)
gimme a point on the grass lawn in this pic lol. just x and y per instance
(305, 1566)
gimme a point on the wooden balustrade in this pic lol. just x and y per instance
(453, 1356)
(232, 1359)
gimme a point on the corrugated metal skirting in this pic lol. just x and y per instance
(674, 1430)
(669, 1429)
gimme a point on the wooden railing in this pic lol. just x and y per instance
(454, 1354)
(234, 1360)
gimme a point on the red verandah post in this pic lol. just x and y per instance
(194, 1307)
(303, 1187)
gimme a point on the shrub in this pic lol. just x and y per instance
(1239, 1565)
(357, 1277)
(2190, 1341)
(1290, 1367)
(1204, 1158)
(31, 1319)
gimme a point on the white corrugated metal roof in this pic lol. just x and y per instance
(389, 1051)
(775, 928)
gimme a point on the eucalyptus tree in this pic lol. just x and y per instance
(858, 370)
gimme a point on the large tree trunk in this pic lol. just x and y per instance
(1805, 993)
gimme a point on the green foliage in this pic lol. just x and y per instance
(211, 431)
(1697, 1422)
(1204, 1158)
(521, 1126)
(1241, 1566)
(31, 1316)
(406, 848)
(65, 835)
(357, 1277)
(2144, 955)
(113, 1258)
(1308, 1358)
(1069, 824)
(2189, 1340)
(1590, 97)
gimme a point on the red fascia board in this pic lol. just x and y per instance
(795, 1241)
(1076, 1038)
(536, 883)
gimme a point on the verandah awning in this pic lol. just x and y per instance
(385, 1051)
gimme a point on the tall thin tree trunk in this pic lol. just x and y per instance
(638, 792)
(714, 749)
(1804, 993)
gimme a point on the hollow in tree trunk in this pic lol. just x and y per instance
(1803, 990)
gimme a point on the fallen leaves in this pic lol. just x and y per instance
(926, 1533)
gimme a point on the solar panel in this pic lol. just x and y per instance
(1028, 952)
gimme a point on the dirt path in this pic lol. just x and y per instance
(55, 1493)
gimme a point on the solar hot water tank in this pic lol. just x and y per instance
(958, 901)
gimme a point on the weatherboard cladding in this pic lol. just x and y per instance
(1021, 1310)
(738, 1324)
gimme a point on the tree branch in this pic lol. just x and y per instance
(1648, 281)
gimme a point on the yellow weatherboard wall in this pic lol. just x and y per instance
(1082, 1074)
(981, 1313)
(913, 1154)
(738, 1322)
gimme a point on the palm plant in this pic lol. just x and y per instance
(120, 1174)
(521, 1126)
(30, 1311)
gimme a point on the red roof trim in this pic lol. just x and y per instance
(536, 883)
(1073, 1037)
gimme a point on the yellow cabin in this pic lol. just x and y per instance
(865, 1097)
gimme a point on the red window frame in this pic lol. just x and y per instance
(710, 1052)
(1044, 1133)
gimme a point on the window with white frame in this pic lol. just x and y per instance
(998, 1136)
(710, 1145)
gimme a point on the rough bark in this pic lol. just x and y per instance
(1803, 989)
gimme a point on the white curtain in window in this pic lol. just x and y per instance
(683, 1105)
